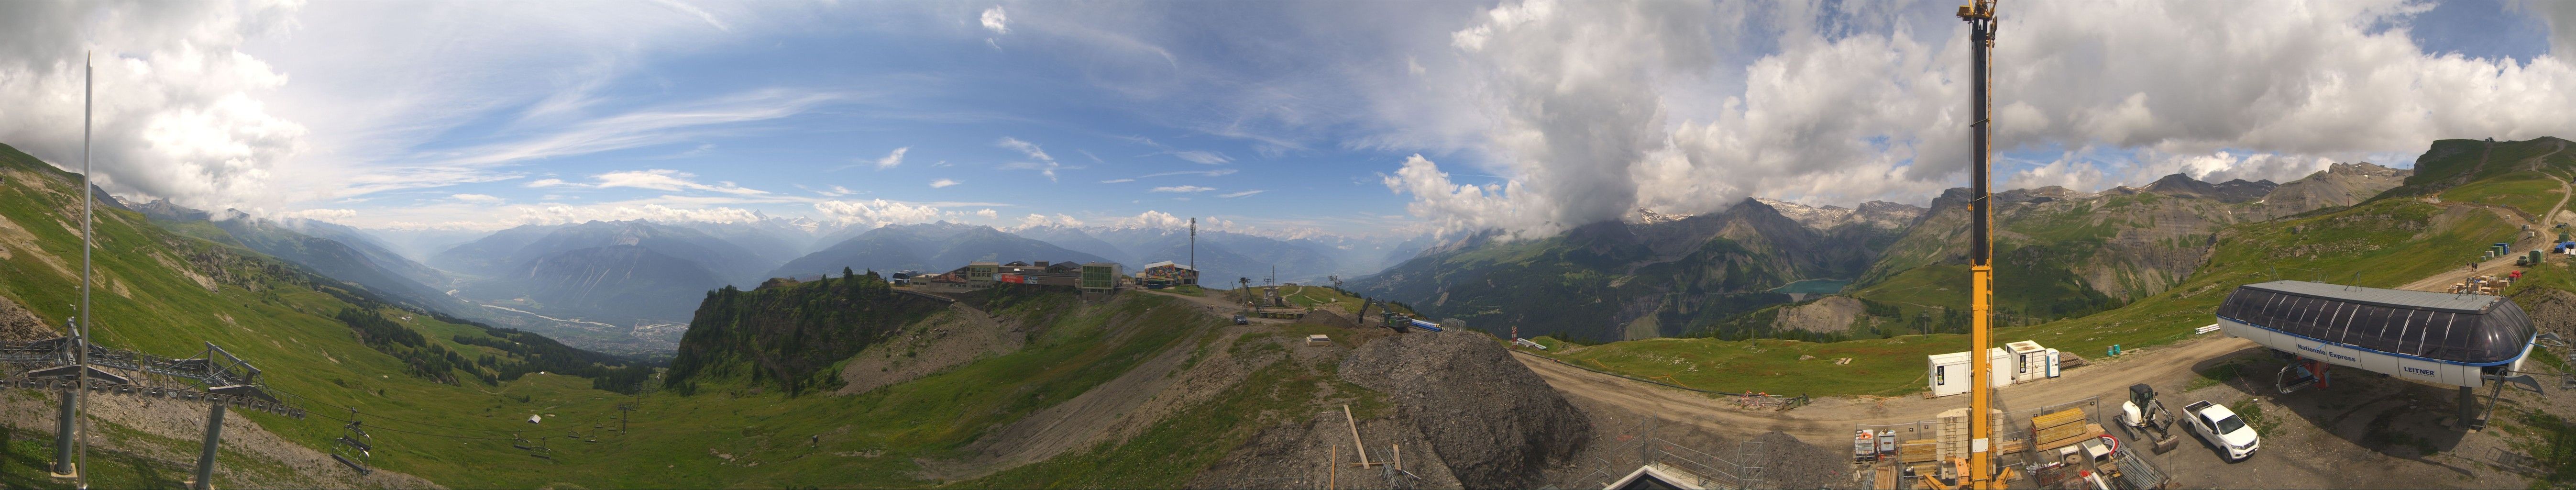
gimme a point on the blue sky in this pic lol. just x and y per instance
(1353, 118)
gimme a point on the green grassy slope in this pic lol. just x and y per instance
(168, 294)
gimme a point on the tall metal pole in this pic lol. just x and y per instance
(68, 436)
(1194, 251)
(1981, 270)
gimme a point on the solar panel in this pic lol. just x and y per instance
(2456, 303)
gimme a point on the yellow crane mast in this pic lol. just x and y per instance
(1981, 270)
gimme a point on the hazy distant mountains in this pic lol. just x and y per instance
(333, 251)
(1225, 256)
(930, 247)
(609, 271)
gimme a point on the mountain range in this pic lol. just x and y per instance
(929, 247)
(2068, 252)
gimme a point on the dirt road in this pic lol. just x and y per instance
(2442, 282)
(1829, 421)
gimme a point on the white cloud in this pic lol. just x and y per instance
(892, 159)
(559, 214)
(1040, 161)
(333, 215)
(1202, 173)
(1588, 110)
(548, 183)
(935, 184)
(1114, 181)
(995, 20)
(833, 191)
(876, 212)
(477, 198)
(180, 108)
(668, 180)
(1456, 207)
(1183, 188)
(988, 213)
(1034, 220)
(1231, 195)
(1166, 221)
(1203, 157)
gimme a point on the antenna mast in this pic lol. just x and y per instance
(1194, 251)
(1981, 271)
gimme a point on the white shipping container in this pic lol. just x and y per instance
(1949, 374)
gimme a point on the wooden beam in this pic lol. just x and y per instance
(1355, 434)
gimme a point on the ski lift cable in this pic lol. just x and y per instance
(383, 418)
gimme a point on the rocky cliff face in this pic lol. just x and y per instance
(1875, 214)
(2339, 185)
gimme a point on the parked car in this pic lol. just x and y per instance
(2221, 427)
(1240, 320)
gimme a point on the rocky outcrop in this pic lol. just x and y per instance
(1831, 314)
(2339, 185)
(1875, 214)
(1492, 422)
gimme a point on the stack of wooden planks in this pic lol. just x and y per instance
(1917, 451)
(2061, 428)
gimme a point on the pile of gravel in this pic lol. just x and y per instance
(1491, 420)
(1790, 463)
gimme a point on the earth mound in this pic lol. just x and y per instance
(1492, 421)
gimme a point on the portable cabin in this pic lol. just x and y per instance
(2425, 336)
(2029, 361)
(1949, 374)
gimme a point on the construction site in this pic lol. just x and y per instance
(2291, 384)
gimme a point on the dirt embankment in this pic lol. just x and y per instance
(1175, 378)
(1459, 412)
(954, 337)
(18, 325)
(2551, 310)
(1492, 421)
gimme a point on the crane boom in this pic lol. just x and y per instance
(1981, 271)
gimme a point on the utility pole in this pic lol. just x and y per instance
(1981, 271)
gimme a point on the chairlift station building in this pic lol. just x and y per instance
(2454, 339)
